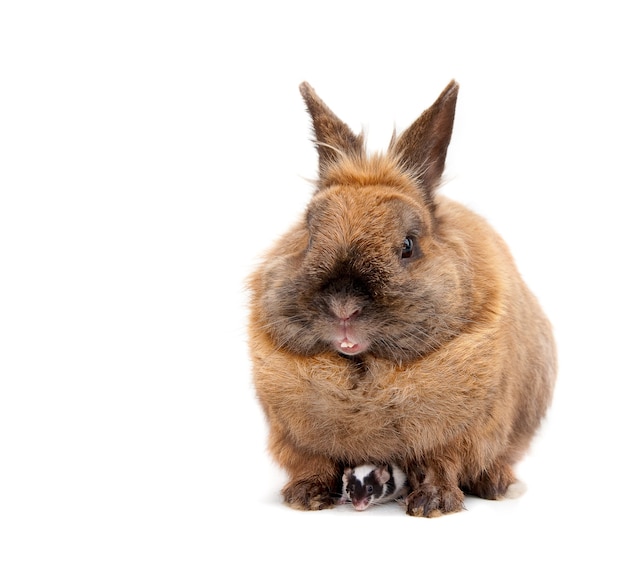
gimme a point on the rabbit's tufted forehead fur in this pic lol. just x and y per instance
(378, 169)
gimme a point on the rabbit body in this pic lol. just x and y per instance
(391, 325)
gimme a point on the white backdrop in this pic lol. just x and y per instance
(150, 151)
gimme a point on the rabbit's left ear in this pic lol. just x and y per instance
(422, 148)
(332, 136)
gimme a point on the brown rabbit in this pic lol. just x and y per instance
(391, 325)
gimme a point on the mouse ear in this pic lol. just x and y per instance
(347, 473)
(382, 474)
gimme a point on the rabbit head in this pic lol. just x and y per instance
(364, 272)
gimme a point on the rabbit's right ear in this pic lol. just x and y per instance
(332, 136)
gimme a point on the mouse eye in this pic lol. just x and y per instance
(370, 489)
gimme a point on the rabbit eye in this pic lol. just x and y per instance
(407, 248)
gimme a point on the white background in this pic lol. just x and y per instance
(150, 151)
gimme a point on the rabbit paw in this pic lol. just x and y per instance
(492, 484)
(308, 496)
(429, 501)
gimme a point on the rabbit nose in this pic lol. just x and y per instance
(346, 310)
(352, 315)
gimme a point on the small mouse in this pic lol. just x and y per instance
(369, 484)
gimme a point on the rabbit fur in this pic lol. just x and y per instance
(390, 324)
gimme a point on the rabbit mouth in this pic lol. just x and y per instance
(349, 347)
(346, 337)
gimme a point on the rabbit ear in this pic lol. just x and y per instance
(332, 136)
(423, 146)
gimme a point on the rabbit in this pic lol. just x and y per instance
(390, 325)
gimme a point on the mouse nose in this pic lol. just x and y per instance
(361, 505)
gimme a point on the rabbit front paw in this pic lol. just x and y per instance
(308, 495)
(430, 501)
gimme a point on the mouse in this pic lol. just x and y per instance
(369, 484)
